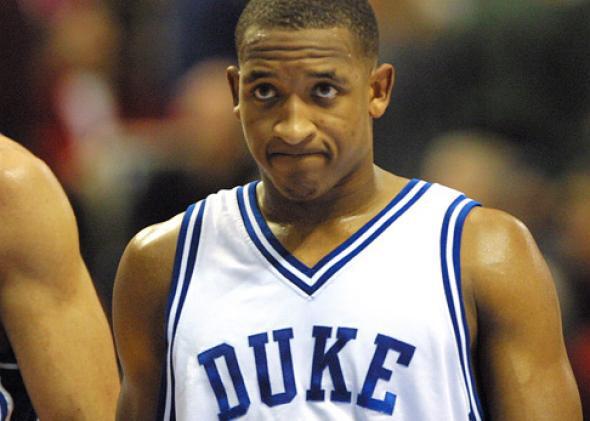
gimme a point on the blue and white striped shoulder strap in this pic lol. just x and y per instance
(450, 255)
(187, 246)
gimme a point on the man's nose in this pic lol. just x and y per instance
(295, 124)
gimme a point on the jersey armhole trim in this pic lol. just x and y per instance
(450, 253)
(184, 264)
(4, 412)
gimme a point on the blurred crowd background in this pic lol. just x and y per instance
(127, 102)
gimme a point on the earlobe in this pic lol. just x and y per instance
(381, 82)
(233, 78)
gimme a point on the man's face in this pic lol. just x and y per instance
(306, 102)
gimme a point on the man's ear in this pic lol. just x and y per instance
(381, 82)
(233, 77)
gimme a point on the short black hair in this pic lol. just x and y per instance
(355, 15)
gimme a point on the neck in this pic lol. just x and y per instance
(347, 198)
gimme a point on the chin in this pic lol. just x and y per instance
(301, 191)
(299, 186)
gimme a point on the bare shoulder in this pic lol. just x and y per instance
(21, 171)
(28, 189)
(139, 306)
(145, 269)
(39, 227)
(153, 248)
(503, 264)
(523, 365)
(492, 236)
(10, 150)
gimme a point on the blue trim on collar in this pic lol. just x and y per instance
(305, 270)
(252, 234)
(330, 272)
(262, 224)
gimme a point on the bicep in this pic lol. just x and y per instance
(523, 354)
(524, 368)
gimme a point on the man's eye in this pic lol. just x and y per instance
(325, 91)
(265, 92)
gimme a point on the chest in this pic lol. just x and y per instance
(373, 317)
(392, 288)
(369, 333)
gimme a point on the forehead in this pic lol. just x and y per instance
(299, 46)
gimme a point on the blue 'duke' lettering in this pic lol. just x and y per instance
(377, 371)
(322, 359)
(207, 360)
(258, 342)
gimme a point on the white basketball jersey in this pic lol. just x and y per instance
(375, 330)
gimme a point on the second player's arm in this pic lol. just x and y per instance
(524, 370)
(48, 306)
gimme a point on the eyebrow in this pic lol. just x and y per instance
(255, 75)
(330, 75)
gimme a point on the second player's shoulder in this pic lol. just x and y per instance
(32, 202)
(38, 223)
(21, 173)
(12, 153)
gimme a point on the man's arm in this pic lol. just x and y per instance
(48, 305)
(139, 307)
(524, 371)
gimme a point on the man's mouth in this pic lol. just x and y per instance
(297, 153)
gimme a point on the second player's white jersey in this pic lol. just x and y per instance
(375, 330)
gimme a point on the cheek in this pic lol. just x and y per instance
(348, 129)
(256, 135)
(350, 118)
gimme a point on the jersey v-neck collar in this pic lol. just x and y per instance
(311, 279)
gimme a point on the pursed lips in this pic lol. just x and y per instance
(297, 154)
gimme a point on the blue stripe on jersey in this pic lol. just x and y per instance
(463, 345)
(3, 407)
(177, 260)
(190, 266)
(184, 284)
(250, 190)
(457, 265)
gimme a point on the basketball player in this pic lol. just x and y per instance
(332, 289)
(52, 321)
